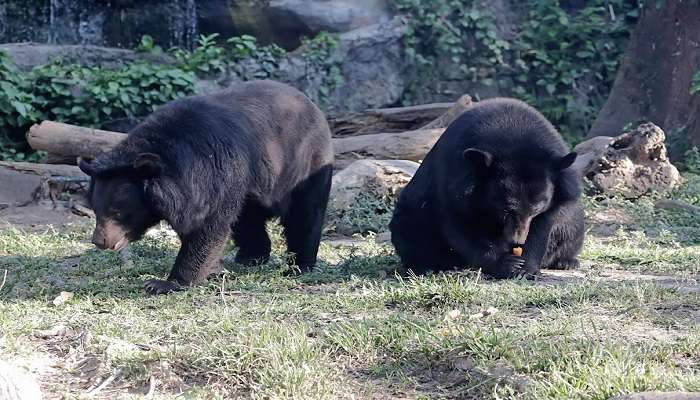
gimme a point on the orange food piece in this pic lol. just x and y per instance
(518, 251)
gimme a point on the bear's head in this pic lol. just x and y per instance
(509, 193)
(117, 195)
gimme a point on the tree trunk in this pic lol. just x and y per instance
(653, 82)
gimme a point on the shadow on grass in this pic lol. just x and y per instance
(110, 274)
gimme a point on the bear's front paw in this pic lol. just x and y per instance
(527, 273)
(508, 266)
(157, 286)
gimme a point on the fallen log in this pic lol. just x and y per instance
(386, 120)
(25, 183)
(443, 121)
(412, 145)
(51, 158)
(71, 140)
(45, 170)
(74, 141)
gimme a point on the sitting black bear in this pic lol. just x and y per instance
(498, 179)
(216, 165)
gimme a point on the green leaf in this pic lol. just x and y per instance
(21, 108)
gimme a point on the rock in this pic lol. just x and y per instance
(57, 331)
(382, 237)
(632, 164)
(369, 64)
(118, 348)
(381, 177)
(29, 55)
(17, 385)
(659, 396)
(464, 363)
(363, 194)
(116, 23)
(63, 298)
(18, 188)
(330, 16)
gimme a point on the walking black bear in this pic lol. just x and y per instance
(216, 165)
(497, 183)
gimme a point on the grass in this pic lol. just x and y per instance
(626, 322)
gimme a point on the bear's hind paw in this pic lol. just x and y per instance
(565, 264)
(158, 286)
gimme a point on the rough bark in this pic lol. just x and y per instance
(399, 119)
(386, 120)
(412, 145)
(46, 170)
(461, 105)
(59, 159)
(653, 82)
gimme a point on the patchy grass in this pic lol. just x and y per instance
(627, 321)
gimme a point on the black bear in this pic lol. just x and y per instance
(496, 193)
(215, 166)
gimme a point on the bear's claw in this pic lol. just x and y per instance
(525, 273)
(157, 286)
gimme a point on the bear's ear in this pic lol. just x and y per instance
(565, 162)
(480, 159)
(147, 165)
(86, 165)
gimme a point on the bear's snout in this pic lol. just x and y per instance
(516, 233)
(99, 241)
(109, 235)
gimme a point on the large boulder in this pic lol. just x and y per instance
(381, 177)
(113, 23)
(632, 164)
(330, 15)
(363, 194)
(364, 70)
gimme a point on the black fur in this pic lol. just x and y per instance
(498, 177)
(215, 166)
